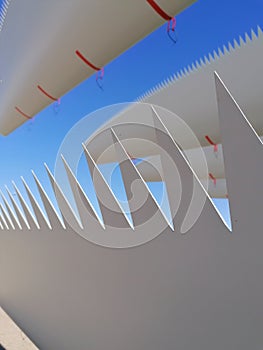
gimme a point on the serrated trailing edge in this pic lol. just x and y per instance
(82, 201)
(52, 214)
(67, 212)
(111, 210)
(131, 175)
(40, 216)
(32, 222)
(11, 214)
(6, 218)
(230, 47)
(241, 41)
(22, 220)
(204, 61)
(260, 33)
(3, 220)
(3, 13)
(14, 219)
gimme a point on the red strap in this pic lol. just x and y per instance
(22, 113)
(212, 178)
(158, 9)
(47, 94)
(212, 143)
(84, 59)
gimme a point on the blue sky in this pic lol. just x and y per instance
(205, 26)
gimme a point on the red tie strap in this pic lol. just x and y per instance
(212, 178)
(91, 65)
(22, 113)
(47, 94)
(159, 10)
(212, 143)
(171, 20)
(85, 60)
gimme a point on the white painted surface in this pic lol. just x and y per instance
(201, 290)
(39, 39)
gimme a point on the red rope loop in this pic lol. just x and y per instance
(171, 27)
(100, 71)
(99, 78)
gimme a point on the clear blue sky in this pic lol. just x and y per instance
(203, 27)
